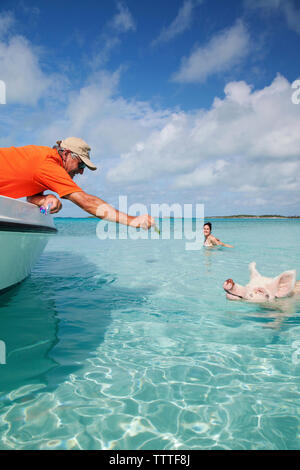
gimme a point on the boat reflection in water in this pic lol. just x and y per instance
(55, 320)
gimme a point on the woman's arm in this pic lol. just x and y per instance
(216, 241)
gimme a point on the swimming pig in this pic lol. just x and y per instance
(263, 289)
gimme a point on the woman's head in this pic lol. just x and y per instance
(207, 228)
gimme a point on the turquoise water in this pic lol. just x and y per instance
(131, 344)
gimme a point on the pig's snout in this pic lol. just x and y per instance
(228, 285)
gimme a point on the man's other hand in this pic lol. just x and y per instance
(143, 221)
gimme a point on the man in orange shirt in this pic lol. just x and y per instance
(29, 171)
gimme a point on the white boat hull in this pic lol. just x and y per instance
(21, 253)
(24, 233)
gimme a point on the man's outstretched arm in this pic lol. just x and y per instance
(99, 208)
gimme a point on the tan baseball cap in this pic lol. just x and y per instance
(81, 148)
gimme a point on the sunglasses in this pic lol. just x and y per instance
(81, 164)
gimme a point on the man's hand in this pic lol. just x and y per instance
(54, 202)
(143, 221)
(41, 200)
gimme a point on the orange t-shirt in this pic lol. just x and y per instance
(29, 170)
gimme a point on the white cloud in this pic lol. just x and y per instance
(247, 139)
(101, 116)
(201, 177)
(288, 8)
(121, 23)
(21, 71)
(181, 23)
(225, 50)
(6, 22)
(292, 15)
(21, 68)
(123, 20)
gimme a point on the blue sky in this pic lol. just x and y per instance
(188, 101)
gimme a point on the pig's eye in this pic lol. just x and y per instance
(251, 295)
(267, 296)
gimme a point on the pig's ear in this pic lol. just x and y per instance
(285, 283)
(253, 270)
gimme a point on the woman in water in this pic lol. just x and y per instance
(210, 240)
